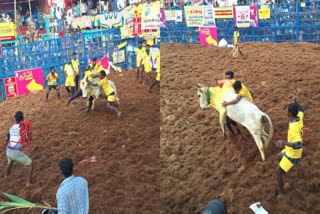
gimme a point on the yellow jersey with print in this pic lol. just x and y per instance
(295, 133)
(104, 84)
(52, 79)
(75, 64)
(244, 92)
(236, 35)
(139, 55)
(70, 73)
(147, 57)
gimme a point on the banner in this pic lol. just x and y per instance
(7, 31)
(150, 16)
(264, 12)
(170, 15)
(178, 15)
(223, 12)
(110, 19)
(242, 16)
(127, 29)
(29, 80)
(254, 22)
(118, 57)
(11, 87)
(194, 16)
(163, 22)
(208, 36)
(122, 45)
(209, 19)
(82, 22)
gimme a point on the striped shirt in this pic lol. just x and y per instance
(73, 196)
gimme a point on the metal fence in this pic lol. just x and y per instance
(289, 22)
(56, 52)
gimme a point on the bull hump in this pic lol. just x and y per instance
(93, 80)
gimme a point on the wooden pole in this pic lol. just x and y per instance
(30, 10)
(15, 12)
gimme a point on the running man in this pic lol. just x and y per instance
(236, 40)
(108, 91)
(76, 67)
(157, 80)
(15, 146)
(292, 152)
(52, 79)
(70, 78)
(148, 63)
(139, 58)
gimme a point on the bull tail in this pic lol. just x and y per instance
(270, 134)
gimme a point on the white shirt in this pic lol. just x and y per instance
(58, 14)
(83, 7)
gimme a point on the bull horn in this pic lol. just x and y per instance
(199, 85)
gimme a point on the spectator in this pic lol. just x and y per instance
(72, 195)
(59, 18)
(83, 8)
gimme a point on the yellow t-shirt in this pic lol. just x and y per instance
(70, 73)
(139, 55)
(75, 64)
(295, 132)
(52, 79)
(158, 61)
(236, 35)
(147, 58)
(107, 89)
(244, 92)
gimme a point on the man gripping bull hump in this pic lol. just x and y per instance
(241, 90)
(108, 91)
(90, 71)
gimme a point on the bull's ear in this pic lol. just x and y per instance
(199, 85)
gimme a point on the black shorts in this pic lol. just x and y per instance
(52, 87)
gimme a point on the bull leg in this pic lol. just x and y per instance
(229, 122)
(222, 123)
(256, 134)
(93, 102)
(89, 104)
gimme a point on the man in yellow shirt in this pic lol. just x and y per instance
(52, 79)
(292, 152)
(157, 80)
(108, 91)
(139, 59)
(148, 63)
(236, 38)
(76, 66)
(241, 91)
(70, 77)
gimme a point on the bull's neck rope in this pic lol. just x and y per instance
(208, 95)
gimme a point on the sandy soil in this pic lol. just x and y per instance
(198, 165)
(125, 178)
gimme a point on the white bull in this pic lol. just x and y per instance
(96, 92)
(243, 112)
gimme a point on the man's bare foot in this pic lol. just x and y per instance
(118, 114)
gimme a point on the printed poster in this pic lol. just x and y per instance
(29, 80)
(170, 15)
(178, 15)
(223, 12)
(197, 2)
(194, 16)
(163, 22)
(109, 20)
(11, 87)
(82, 22)
(118, 57)
(264, 12)
(7, 31)
(254, 22)
(127, 29)
(242, 16)
(209, 19)
(208, 36)
(150, 16)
